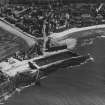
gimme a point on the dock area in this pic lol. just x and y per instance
(52, 52)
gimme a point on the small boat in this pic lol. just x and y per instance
(18, 74)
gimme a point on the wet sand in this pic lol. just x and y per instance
(84, 85)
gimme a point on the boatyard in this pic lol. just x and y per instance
(52, 53)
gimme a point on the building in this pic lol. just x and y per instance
(4, 2)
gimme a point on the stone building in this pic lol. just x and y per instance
(4, 2)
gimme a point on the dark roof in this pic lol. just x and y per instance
(65, 1)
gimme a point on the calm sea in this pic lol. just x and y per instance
(84, 85)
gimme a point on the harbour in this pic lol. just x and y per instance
(77, 86)
(53, 57)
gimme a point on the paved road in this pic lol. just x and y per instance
(7, 28)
